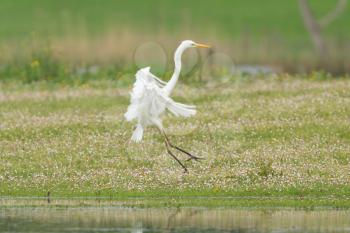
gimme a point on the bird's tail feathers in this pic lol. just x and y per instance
(137, 134)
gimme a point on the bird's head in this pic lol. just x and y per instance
(190, 43)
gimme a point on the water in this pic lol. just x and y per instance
(171, 220)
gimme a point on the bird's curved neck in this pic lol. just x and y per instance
(177, 59)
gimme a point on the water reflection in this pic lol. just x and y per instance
(171, 220)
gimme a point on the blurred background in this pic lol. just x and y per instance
(79, 39)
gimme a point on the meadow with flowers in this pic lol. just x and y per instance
(277, 138)
(271, 136)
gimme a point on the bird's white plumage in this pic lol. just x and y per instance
(150, 96)
(149, 101)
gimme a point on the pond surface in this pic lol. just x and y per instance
(170, 220)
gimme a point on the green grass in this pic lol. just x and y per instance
(284, 139)
(231, 18)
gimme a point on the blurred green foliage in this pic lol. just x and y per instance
(43, 66)
(229, 18)
(23, 22)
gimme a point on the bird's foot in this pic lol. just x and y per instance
(191, 157)
(195, 158)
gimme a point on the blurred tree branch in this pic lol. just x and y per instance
(315, 26)
(339, 8)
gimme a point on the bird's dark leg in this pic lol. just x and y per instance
(180, 149)
(172, 155)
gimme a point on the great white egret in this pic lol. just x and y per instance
(150, 98)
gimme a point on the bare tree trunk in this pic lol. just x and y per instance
(313, 28)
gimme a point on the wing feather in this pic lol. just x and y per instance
(143, 86)
(179, 109)
(149, 87)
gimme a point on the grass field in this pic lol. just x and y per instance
(274, 136)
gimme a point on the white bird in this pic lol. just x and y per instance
(150, 98)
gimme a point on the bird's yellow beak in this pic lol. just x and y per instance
(202, 45)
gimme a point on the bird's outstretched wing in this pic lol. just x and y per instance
(148, 91)
(144, 80)
(179, 109)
